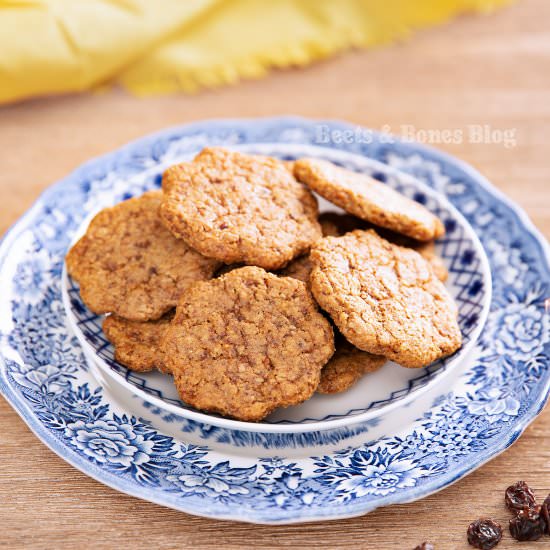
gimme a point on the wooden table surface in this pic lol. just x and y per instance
(476, 70)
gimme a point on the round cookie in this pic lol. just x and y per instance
(246, 343)
(137, 343)
(385, 299)
(347, 366)
(240, 208)
(129, 264)
(369, 199)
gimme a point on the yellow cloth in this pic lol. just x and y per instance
(159, 46)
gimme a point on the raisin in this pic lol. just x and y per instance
(425, 546)
(545, 513)
(518, 496)
(529, 524)
(484, 534)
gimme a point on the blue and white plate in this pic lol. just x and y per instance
(130, 444)
(391, 387)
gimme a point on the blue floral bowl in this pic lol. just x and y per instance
(376, 394)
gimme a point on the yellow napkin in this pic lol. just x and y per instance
(52, 46)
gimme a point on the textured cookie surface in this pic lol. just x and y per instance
(335, 225)
(129, 264)
(369, 199)
(240, 208)
(425, 249)
(332, 225)
(246, 343)
(347, 366)
(385, 299)
(137, 343)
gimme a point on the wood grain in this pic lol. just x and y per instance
(487, 70)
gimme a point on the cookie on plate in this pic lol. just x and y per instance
(347, 366)
(247, 343)
(137, 343)
(384, 298)
(240, 208)
(129, 264)
(369, 199)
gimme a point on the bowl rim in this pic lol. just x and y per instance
(345, 421)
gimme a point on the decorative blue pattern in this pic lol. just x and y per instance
(43, 372)
(461, 254)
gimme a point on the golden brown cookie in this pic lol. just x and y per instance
(240, 208)
(137, 343)
(246, 343)
(347, 366)
(369, 199)
(385, 299)
(129, 264)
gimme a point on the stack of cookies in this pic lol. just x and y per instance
(231, 282)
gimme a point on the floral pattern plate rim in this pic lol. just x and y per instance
(268, 478)
(392, 387)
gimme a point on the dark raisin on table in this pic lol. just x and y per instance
(529, 524)
(545, 513)
(425, 546)
(484, 534)
(518, 496)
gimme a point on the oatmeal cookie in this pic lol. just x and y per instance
(347, 366)
(246, 343)
(137, 343)
(240, 208)
(129, 264)
(369, 199)
(385, 299)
